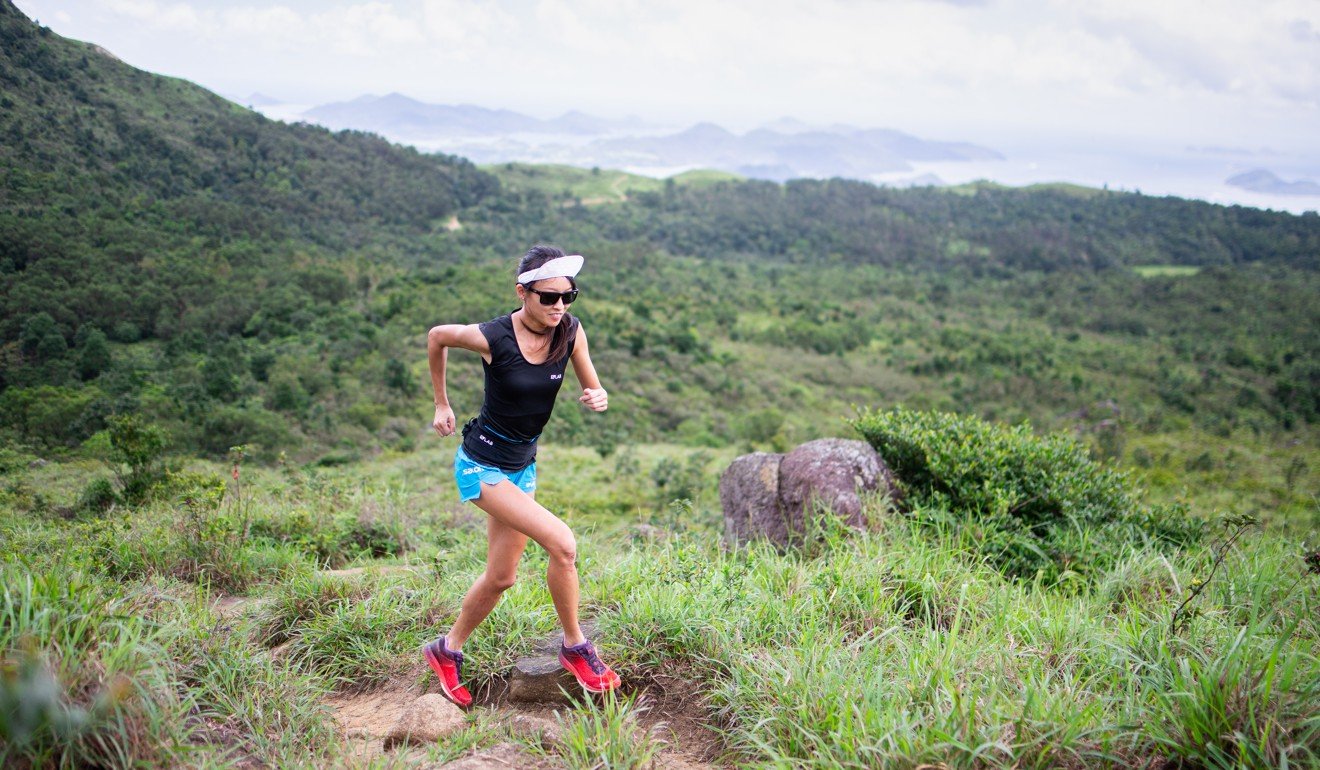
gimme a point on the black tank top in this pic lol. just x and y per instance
(519, 399)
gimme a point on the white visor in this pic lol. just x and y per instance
(560, 267)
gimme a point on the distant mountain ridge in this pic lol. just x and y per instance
(1260, 180)
(403, 118)
(768, 154)
(785, 149)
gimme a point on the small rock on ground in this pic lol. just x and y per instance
(499, 757)
(540, 679)
(537, 728)
(429, 718)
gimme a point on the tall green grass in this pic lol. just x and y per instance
(896, 647)
(893, 650)
(84, 680)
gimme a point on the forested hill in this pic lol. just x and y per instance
(1046, 227)
(124, 192)
(234, 280)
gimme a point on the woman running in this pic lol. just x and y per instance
(524, 355)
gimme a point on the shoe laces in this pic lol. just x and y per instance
(453, 655)
(593, 660)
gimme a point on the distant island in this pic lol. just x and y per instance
(1260, 180)
(784, 149)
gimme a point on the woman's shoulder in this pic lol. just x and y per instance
(497, 327)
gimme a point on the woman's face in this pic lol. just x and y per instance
(546, 315)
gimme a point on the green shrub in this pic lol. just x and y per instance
(97, 496)
(332, 538)
(254, 425)
(50, 415)
(141, 447)
(1030, 504)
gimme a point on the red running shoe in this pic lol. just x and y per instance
(592, 673)
(448, 665)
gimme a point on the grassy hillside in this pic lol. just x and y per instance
(579, 186)
(213, 396)
(232, 280)
(211, 632)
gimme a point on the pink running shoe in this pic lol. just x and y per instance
(448, 665)
(592, 673)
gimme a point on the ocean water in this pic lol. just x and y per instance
(1188, 172)
(1151, 168)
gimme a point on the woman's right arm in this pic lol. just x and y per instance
(438, 342)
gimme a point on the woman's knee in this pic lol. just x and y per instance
(501, 581)
(563, 549)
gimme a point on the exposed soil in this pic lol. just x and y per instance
(364, 719)
(679, 716)
(670, 710)
(672, 713)
(229, 607)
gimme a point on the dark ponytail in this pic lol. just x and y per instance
(567, 329)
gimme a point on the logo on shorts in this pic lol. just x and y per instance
(556, 376)
(488, 442)
(470, 471)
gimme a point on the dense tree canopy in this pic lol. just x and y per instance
(238, 280)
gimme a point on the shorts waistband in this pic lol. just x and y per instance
(487, 429)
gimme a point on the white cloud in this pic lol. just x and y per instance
(916, 63)
(160, 16)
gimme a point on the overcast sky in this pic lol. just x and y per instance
(1241, 73)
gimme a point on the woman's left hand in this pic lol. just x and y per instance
(595, 399)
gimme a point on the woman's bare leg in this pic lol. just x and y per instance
(504, 547)
(519, 511)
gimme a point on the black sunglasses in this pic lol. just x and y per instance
(551, 297)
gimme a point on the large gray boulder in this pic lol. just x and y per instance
(749, 495)
(773, 496)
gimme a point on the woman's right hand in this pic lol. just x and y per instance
(444, 421)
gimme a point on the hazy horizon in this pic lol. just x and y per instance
(1047, 78)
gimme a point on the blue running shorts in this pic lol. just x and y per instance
(470, 475)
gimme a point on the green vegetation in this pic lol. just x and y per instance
(1037, 508)
(571, 185)
(883, 649)
(225, 306)
(213, 387)
(1154, 271)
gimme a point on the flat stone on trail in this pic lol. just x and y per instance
(540, 679)
(429, 718)
(498, 757)
(537, 728)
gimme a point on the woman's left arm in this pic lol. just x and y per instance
(593, 395)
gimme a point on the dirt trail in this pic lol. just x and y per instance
(671, 712)
(673, 718)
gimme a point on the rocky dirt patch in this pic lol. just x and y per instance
(671, 712)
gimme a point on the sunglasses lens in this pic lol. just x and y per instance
(551, 297)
